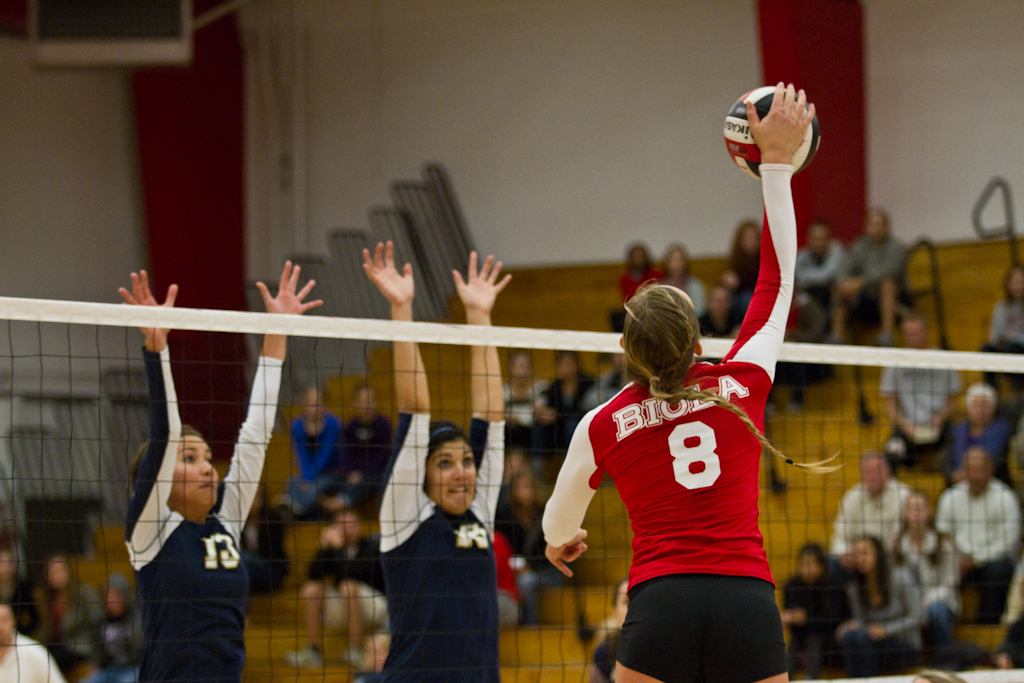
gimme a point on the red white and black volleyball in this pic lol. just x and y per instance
(740, 143)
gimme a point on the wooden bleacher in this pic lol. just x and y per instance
(580, 297)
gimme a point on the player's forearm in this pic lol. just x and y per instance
(275, 346)
(778, 205)
(243, 477)
(411, 393)
(488, 399)
(153, 478)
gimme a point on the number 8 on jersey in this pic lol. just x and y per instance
(703, 451)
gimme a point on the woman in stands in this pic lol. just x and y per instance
(441, 491)
(183, 528)
(682, 444)
(885, 631)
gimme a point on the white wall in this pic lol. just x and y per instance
(70, 209)
(944, 89)
(570, 127)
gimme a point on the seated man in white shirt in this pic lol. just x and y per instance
(870, 508)
(982, 516)
(918, 401)
(23, 660)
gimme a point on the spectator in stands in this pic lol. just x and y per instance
(72, 618)
(561, 407)
(932, 558)
(677, 274)
(366, 447)
(519, 519)
(744, 264)
(818, 264)
(316, 438)
(885, 631)
(608, 384)
(639, 270)
(817, 270)
(1006, 329)
(871, 508)
(721, 318)
(982, 516)
(814, 604)
(871, 281)
(618, 605)
(1015, 596)
(16, 592)
(263, 553)
(516, 460)
(23, 660)
(522, 396)
(376, 649)
(508, 592)
(1010, 654)
(918, 401)
(607, 639)
(122, 636)
(344, 585)
(980, 428)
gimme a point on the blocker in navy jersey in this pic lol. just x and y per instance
(439, 569)
(192, 586)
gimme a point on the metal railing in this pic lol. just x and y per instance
(1008, 229)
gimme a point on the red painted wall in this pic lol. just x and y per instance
(819, 46)
(14, 17)
(191, 152)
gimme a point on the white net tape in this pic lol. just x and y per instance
(1005, 676)
(74, 312)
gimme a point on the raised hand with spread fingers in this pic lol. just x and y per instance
(156, 337)
(286, 302)
(479, 290)
(398, 288)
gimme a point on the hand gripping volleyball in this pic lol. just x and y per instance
(742, 148)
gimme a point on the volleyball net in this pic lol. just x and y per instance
(74, 413)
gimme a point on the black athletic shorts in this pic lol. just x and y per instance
(703, 628)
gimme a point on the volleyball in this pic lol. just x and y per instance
(740, 143)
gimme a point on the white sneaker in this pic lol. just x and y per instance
(306, 658)
(353, 657)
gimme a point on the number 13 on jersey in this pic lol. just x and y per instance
(701, 448)
(226, 557)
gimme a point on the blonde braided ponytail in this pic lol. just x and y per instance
(659, 338)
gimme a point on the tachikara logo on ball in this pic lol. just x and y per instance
(740, 144)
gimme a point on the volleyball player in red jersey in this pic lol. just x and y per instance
(683, 443)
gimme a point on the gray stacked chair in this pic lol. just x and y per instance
(357, 295)
(437, 253)
(396, 225)
(437, 228)
(329, 357)
(448, 209)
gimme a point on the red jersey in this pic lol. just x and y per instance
(628, 286)
(503, 554)
(688, 473)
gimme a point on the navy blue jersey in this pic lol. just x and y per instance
(439, 570)
(192, 585)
